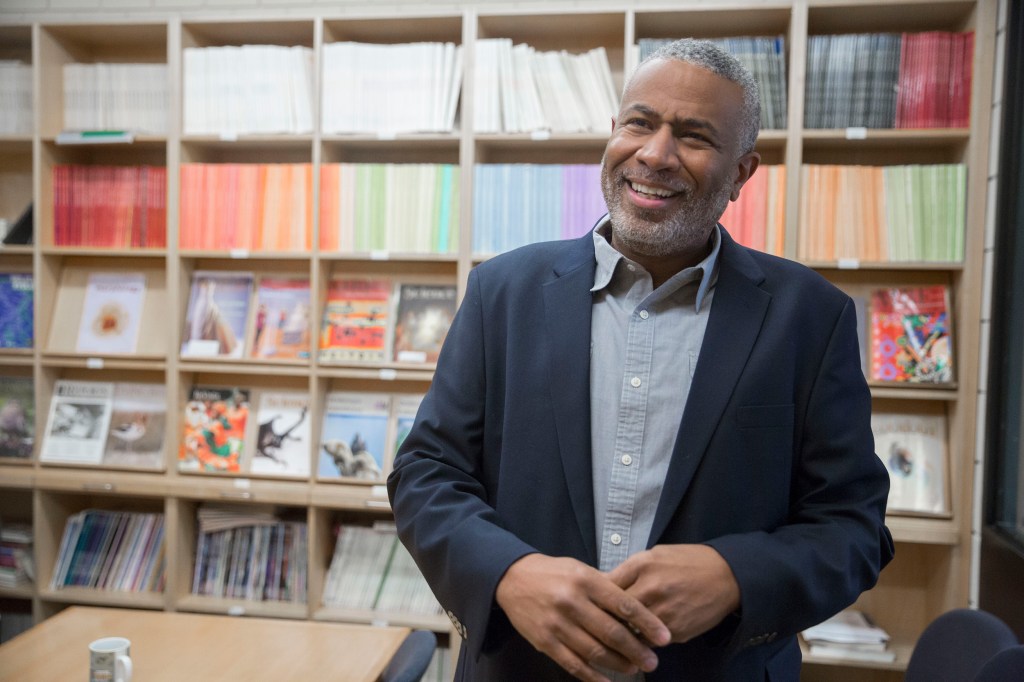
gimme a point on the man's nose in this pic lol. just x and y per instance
(660, 151)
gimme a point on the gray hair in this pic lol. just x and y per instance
(707, 55)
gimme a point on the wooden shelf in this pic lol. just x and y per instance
(934, 573)
(420, 622)
(81, 595)
(242, 607)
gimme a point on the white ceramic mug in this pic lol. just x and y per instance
(110, 660)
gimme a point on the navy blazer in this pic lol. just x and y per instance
(773, 465)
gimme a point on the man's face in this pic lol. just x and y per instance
(673, 161)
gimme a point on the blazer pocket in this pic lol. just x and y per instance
(765, 416)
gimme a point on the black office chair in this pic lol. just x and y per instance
(1006, 666)
(955, 646)
(412, 658)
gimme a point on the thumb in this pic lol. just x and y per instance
(625, 574)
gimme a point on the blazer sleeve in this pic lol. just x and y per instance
(834, 543)
(437, 486)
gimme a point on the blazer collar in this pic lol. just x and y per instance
(567, 313)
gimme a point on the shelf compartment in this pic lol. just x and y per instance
(90, 43)
(16, 182)
(70, 276)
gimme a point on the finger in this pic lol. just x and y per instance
(575, 665)
(609, 641)
(635, 615)
(595, 651)
(625, 574)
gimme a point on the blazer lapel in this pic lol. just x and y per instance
(567, 313)
(737, 312)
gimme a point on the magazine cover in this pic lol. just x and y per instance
(280, 329)
(425, 311)
(354, 439)
(214, 430)
(111, 313)
(218, 312)
(913, 448)
(137, 425)
(76, 426)
(17, 416)
(355, 322)
(16, 294)
(910, 335)
(281, 446)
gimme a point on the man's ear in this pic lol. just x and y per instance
(745, 167)
(613, 124)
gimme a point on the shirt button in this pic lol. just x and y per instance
(635, 382)
(644, 314)
(626, 459)
(616, 539)
(631, 268)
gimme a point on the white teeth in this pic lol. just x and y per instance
(656, 191)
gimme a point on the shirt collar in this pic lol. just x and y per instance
(608, 258)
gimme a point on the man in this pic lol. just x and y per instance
(647, 453)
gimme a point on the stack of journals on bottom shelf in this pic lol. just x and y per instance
(16, 566)
(111, 550)
(250, 554)
(372, 570)
(849, 634)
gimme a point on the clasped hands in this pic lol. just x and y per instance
(585, 619)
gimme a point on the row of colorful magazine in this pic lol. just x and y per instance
(234, 430)
(238, 315)
(111, 550)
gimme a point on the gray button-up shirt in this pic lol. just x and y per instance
(643, 351)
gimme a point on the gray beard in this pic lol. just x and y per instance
(645, 233)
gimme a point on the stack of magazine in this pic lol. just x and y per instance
(849, 634)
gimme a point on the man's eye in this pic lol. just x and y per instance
(638, 122)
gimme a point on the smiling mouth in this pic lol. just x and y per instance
(647, 190)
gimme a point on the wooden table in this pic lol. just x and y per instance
(188, 646)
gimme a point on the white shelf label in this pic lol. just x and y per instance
(243, 483)
(239, 253)
(94, 363)
(228, 137)
(540, 135)
(379, 491)
(849, 264)
(379, 255)
(236, 610)
(856, 133)
(388, 374)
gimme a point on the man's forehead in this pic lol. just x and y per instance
(665, 68)
(670, 83)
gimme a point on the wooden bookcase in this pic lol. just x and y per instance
(931, 570)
